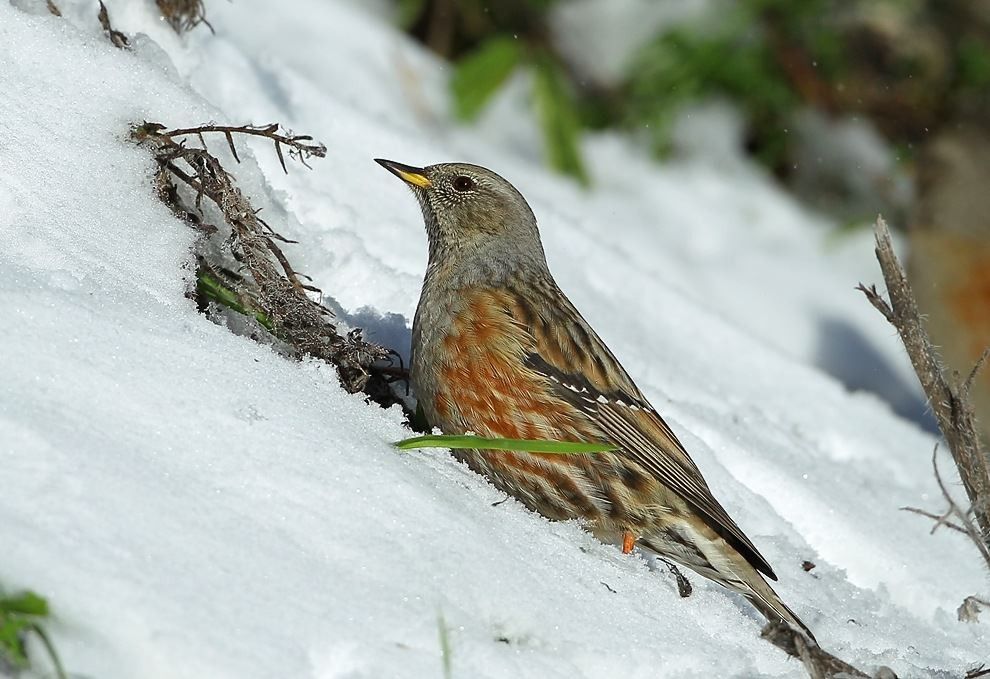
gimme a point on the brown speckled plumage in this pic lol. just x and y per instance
(499, 350)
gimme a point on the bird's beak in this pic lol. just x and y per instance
(416, 176)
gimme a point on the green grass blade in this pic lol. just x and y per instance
(213, 289)
(522, 445)
(12, 649)
(19, 614)
(445, 651)
(25, 603)
(50, 649)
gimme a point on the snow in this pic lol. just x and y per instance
(195, 505)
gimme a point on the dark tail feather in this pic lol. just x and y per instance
(770, 605)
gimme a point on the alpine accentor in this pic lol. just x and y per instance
(499, 350)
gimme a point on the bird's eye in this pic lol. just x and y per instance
(463, 183)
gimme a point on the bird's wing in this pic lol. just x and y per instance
(582, 371)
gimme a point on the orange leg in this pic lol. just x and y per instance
(628, 540)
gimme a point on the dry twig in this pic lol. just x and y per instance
(949, 402)
(301, 146)
(118, 39)
(184, 15)
(819, 664)
(971, 607)
(269, 285)
(963, 523)
(53, 8)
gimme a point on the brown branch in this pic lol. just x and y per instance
(878, 302)
(981, 361)
(965, 526)
(118, 39)
(939, 519)
(949, 402)
(301, 146)
(819, 663)
(969, 610)
(184, 15)
(269, 285)
(53, 8)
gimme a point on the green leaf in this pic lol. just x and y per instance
(12, 641)
(214, 290)
(522, 445)
(479, 74)
(18, 620)
(558, 118)
(25, 603)
(445, 650)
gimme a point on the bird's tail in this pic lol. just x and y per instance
(762, 596)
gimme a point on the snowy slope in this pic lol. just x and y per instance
(197, 506)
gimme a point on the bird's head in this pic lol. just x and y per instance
(472, 214)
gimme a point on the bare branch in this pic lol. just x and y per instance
(184, 15)
(302, 147)
(53, 8)
(269, 288)
(969, 610)
(939, 519)
(118, 39)
(819, 663)
(980, 363)
(877, 301)
(950, 403)
(230, 143)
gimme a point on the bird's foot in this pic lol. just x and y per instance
(684, 587)
(628, 541)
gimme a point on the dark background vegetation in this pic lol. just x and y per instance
(911, 67)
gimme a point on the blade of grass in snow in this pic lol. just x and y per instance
(19, 617)
(531, 446)
(445, 657)
(213, 289)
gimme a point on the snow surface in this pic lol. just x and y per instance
(195, 505)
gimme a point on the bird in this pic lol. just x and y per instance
(499, 351)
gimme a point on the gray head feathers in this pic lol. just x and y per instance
(478, 224)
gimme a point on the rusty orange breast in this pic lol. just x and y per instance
(484, 383)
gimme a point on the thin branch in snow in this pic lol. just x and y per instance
(301, 146)
(118, 39)
(950, 403)
(939, 519)
(819, 663)
(964, 523)
(971, 607)
(53, 8)
(267, 287)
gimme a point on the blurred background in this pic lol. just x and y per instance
(857, 107)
